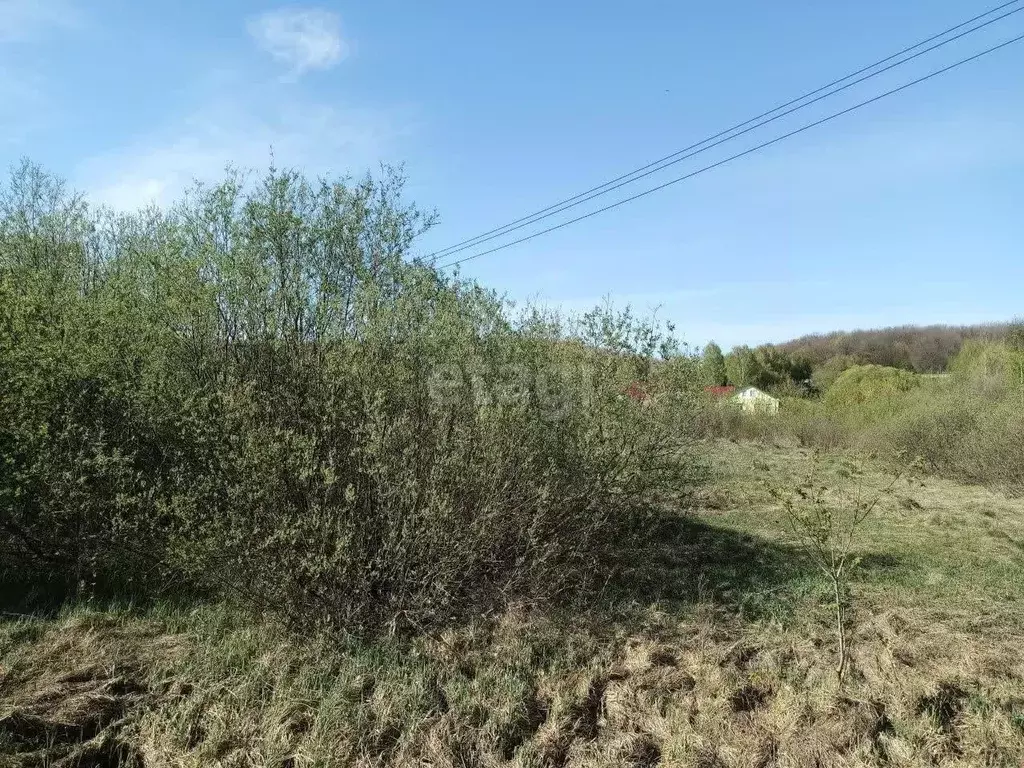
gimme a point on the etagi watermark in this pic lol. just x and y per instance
(555, 391)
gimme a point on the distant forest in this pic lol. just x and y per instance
(924, 349)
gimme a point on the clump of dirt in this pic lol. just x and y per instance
(587, 713)
(712, 500)
(741, 656)
(944, 705)
(852, 721)
(640, 750)
(767, 753)
(709, 758)
(908, 502)
(364, 688)
(749, 698)
(662, 656)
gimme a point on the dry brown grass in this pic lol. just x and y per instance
(68, 692)
(727, 673)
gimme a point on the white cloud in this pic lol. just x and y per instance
(238, 120)
(302, 39)
(158, 168)
(24, 20)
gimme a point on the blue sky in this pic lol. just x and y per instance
(906, 211)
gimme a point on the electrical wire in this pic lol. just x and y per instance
(750, 151)
(736, 131)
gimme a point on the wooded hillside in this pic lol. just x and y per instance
(925, 349)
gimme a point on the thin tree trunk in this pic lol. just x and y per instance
(840, 629)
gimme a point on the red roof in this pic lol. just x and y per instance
(638, 391)
(719, 391)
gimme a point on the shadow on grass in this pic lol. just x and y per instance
(21, 595)
(31, 594)
(890, 569)
(686, 560)
(882, 563)
(691, 560)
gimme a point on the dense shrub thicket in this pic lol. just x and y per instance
(256, 393)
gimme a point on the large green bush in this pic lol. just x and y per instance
(967, 425)
(870, 385)
(259, 394)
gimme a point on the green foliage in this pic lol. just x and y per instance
(738, 365)
(771, 368)
(1015, 336)
(258, 394)
(825, 375)
(713, 366)
(994, 368)
(765, 367)
(966, 425)
(869, 385)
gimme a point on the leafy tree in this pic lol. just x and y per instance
(765, 367)
(1015, 341)
(800, 369)
(713, 366)
(740, 366)
(825, 375)
(990, 366)
(772, 368)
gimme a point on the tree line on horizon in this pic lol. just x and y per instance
(810, 364)
(921, 349)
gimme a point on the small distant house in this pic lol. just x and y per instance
(754, 400)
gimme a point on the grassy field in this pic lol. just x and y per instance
(714, 650)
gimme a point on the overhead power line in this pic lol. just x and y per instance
(746, 152)
(730, 133)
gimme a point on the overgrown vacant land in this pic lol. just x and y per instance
(718, 650)
(273, 492)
